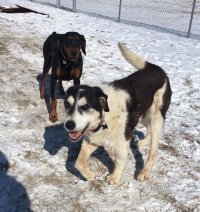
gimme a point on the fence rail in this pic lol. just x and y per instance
(181, 17)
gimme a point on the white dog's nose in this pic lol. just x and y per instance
(70, 125)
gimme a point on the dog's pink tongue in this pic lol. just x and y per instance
(75, 135)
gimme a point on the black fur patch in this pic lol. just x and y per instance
(93, 95)
(141, 86)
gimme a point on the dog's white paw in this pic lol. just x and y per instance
(144, 174)
(85, 172)
(113, 179)
(89, 175)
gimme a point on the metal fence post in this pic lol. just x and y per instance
(120, 8)
(191, 18)
(74, 6)
(58, 3)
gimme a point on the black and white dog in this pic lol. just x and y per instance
(106, 115)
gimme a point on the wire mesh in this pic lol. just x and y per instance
(195, 30)
(167, 15)
(66, 3)
(171, 15)
(99, 7)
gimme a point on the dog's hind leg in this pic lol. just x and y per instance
(146, 140)
(156, 123)
(82, 161)
(147, 123)
(121, 153)
(53, 110)
(156, 126)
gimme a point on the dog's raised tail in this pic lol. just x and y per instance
(134, 59)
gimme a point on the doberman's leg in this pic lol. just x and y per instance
(53, 112)
(76, 81)
(61, 89)
(76, 75)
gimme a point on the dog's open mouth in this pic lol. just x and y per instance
(77, 135)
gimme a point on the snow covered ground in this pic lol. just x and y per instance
(41, 174)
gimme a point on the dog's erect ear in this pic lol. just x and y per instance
(83, 44)
(102, 98)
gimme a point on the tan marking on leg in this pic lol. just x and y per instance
(58, 72)
(82, 161)
(75, 73)
(53, 112)
(42, 88)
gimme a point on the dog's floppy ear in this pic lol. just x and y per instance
(58, 44)
(83, 43)
(102, 98)
(61, 40)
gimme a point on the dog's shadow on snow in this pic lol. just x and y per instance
(56, 138)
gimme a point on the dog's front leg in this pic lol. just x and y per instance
(76, 81)
(82, 161)
(61, 89)
(121, 153)
(53, 111)
(42, 87)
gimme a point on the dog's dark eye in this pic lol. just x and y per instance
(85, 107)
(67, 105)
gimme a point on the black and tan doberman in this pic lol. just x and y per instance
(62, 53)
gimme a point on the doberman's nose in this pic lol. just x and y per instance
(74, 52)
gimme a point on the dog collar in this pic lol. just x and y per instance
(64, 58)
(103, 126)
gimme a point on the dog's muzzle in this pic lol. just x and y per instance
(75, 135)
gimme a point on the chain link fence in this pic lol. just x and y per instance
(181, 17)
